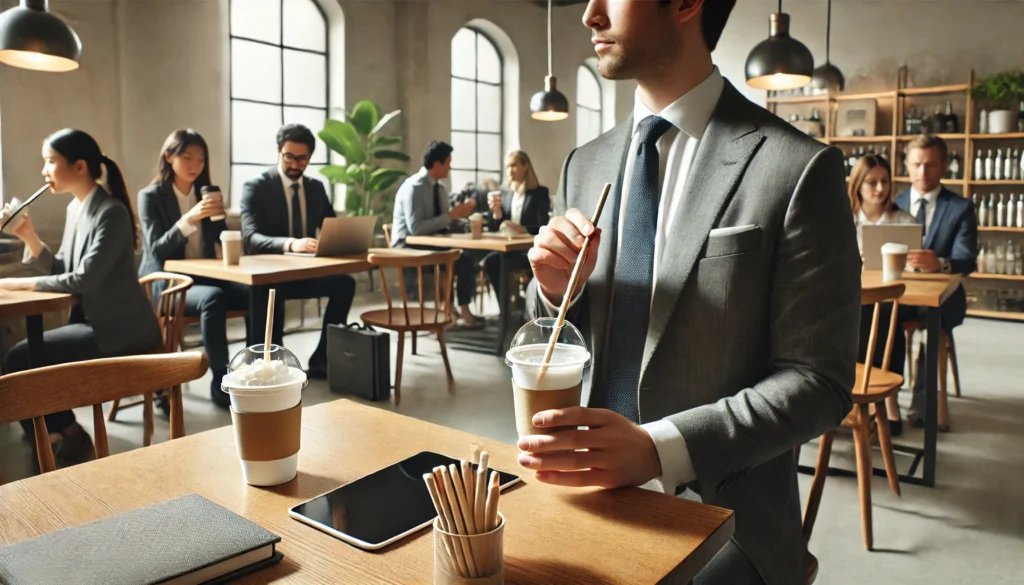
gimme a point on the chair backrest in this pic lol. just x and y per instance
(443, 263)
(170, 307)
(387, 233)
(876, 296)
(36, 393)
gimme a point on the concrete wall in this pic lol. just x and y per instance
(150, 66)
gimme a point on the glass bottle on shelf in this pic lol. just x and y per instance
(979, 166)
(999, 267)
(954, 166)
(1011, 258)
(926, 122)
(982, 258)
(1007, 165)
(997, 165)
(988, 165)
(885, 153)
(1015, 165)
(1021, 165)
(990, 212)
(1011, 211)
(982, 212)
(1020, 211)
(983, 122)
(1018, 267)
(1000, 212)
(914, 122)
(990, 260)
(950, 122)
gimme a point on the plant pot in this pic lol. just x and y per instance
(1002, 121)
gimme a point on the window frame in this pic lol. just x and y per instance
(326, 54)
(600, 100)
(500, 133)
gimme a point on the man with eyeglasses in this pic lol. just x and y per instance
(282, 209)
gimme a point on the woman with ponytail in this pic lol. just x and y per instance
(96, 264)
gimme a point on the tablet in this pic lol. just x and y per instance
(383, 507)
(876, 236)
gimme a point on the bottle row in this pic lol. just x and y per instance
(955, 170)
(942, 122)
(1005, 259)
(999, 168)
(855, 154)
(1001, 213)
(1002, 300)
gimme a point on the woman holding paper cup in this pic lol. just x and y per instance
(873, 203)
(524, 212)
(96, 264)
(183, 218)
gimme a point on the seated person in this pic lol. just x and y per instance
(950, 235)
(422, 209)
(177, 225)
(282, 210)
(524, 212)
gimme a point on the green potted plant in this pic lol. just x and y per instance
(359, 140)
(1002, 92)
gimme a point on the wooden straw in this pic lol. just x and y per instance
(573, 281)
(469, 484)
(459, 546)
(481, 490)
(493, 493)
(474, 456)
(464, 507)
(449, 546)
(460, 522)
(270, 326)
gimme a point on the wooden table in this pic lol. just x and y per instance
(554, 535)
(490, 242)
(260, 272)
(32, 305)
(928, 291)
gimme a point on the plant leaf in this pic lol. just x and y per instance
(381, 179)
(378, 141)
(341, 137)
(391, 154)
(335, 174)
(365, 117)
(384, 121)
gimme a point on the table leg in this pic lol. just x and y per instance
(931, 394)
(503, 307)
(34, 331)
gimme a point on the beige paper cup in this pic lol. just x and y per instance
(894, 261)
(231, 245)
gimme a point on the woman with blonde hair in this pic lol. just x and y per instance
(873, 203)
(523, 210)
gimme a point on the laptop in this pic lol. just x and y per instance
(876, 236)
(342, 236)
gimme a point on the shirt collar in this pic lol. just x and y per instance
(930, 196)
(181, 195)
(692, 111)
(426, 175)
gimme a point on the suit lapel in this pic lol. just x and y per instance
(729, 142)
(85, 219)
(941, 202)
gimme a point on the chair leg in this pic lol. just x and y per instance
(147, 419)
(885, 442)
(177, 420)
(444, 356)
(370, 274)
(910, 359)
(413, 333)
(99, 431)
(862, 446)
(398, 368)
(952, 358)
(943, 370)
(817, 484)
(113, 410)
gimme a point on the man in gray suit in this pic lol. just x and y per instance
(721, 301)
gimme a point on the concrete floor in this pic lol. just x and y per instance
(969, 529)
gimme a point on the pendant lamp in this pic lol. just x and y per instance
(549, 105)
(780, 61)
(33, 38)
(828, 77)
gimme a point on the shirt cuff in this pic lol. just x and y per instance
(553, 309)
(676, 464)
(185, 227)
(944, 266)
(288, 244)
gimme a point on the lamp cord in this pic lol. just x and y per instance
(549, 37)
(828, 33)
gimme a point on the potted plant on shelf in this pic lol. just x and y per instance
(1002, 92)
(359, 140)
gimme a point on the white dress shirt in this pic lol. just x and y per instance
(689, 116)
(929, 212)
(302, 205)
(518, 200)
(194, 237)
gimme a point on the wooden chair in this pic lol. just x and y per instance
(36, 393)
(170, 313)
(872, 387)
(431, 318)
(947, 358)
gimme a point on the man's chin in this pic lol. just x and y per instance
(293, 175)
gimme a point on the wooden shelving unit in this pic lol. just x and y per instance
(963, 143)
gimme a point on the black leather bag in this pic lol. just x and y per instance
(359, 361)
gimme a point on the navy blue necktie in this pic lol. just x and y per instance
(922, 215)
(634, 275)
(297, 231)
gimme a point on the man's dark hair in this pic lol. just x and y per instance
(436, 152)
(296, 133)
(714, 15)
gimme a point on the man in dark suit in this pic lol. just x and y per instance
(950, 232)
(721, 297)
(282, 210)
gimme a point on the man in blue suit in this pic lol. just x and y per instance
(950, 232)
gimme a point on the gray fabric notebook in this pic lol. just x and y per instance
(181, 541)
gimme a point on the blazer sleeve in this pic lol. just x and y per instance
(964, 257)
(255, 218)
(111, 234)
(161, 241)
(814, 311)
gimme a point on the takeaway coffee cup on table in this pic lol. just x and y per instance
(536, 387)
(266, 412)
(476, 226)
(212, 193)
(231, 246)
(894, 261)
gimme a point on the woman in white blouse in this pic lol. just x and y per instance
(873, 203)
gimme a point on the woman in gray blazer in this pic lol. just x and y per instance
(96, 264)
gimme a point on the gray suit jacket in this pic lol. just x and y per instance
(102, 278)
(753, 332)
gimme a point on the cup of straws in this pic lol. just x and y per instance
(468, 531)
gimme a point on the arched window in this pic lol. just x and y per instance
(588, 105)
(278, 76)
(477, 100)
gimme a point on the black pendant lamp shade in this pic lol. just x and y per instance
(549, 105)
(780, 61)
(828, 77)
(33, 38)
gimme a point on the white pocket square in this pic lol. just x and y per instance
(728, 231)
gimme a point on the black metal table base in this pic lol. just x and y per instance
(909, 478)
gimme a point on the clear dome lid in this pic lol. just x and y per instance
(529, 346)
(250, 369)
